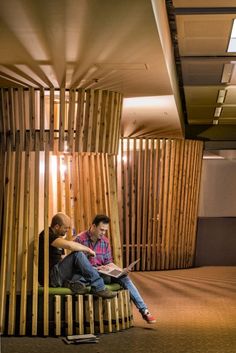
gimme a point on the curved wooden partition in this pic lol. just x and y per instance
(57, 154)
(158, 189)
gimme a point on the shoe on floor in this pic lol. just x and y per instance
(148, 317)
(105, 293)
(76, 287)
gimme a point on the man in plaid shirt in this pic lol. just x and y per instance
(95, 239)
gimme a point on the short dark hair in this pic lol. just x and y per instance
(100, 218)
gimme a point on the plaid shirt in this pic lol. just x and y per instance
(102, 248)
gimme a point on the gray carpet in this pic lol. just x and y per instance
(195, 309)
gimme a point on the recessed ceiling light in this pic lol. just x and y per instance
(232, 41)
(217, 112)
(215, 122)
(227, 72)
(221, 96)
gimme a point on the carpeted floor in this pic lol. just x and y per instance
(195, 309)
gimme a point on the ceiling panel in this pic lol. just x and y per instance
(202, 71)
(204, 35)
(204, 3)
(207, 71)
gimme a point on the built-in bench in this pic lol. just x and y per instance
(78, 314)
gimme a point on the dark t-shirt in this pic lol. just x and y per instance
(54, 254)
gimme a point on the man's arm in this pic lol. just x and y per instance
(72, 246)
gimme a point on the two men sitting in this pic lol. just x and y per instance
(89, 250)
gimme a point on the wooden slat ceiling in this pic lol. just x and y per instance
(121, 46)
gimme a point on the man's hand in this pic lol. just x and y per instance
(92, 253)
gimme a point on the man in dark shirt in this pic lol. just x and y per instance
(68, 270)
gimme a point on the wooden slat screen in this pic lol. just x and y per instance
(56, 154)
(158, 188)
(82, 120)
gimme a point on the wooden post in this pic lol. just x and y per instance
(36, 240)
(5, 239)
(57, 314)
(46, 242)
(15, 237)
(25, 242)
(79, 314)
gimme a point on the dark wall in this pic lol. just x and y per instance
(216, 241)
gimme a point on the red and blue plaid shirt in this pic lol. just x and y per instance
(102, 248)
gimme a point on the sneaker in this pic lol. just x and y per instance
(148, 317)
(105, 293)
(76, 287)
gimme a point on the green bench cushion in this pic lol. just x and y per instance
(65, 291)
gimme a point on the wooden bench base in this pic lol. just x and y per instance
(90, 314)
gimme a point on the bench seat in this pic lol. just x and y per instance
(71, 314)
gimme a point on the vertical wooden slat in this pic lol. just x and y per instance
(114, 224)
(12, 115)
(192, 168)
(165, 204)
(93, 181)
(186, 203)
(57, 314)
(109, 117)
(2, 118)
(82, 191)
(59, 184)
(118, 125)
(90, 116)
(32, 117)
(89, 313)
(85, 129)
(127, 202)
(181, 220)
(155, 204)
(69, 314)
(71, 119)
(115, 124)
(62, 120)
(21, 117)
(79, 314)
(46, 242)
(75, 181)
(139, 200)
(102, 139)
(11, 211)
(133, 201)
(150, 208)
(36, 231)
(100, 315)
(197, 195)
(25, 242)
(173, 222)
(98, 185)
(14, 243)
(79, 121)
(52, 119)
(96, 120)
(145, 207)
(178, 202)
(87, 189)
(122, 196)
(5, 239)
(42, 119)
(169, 203)
(160, 203)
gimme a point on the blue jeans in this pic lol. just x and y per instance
(126, 283)
(76, 267)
